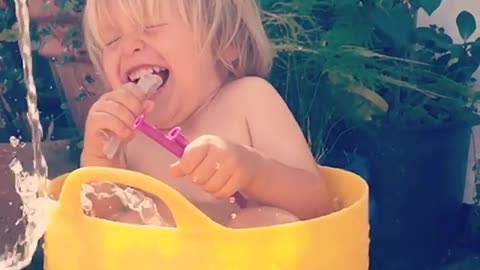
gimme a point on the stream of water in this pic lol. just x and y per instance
(32, 188)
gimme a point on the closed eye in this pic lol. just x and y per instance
(112, 41)
(153, 26)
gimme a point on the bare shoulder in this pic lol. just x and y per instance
(270, 122)
(253, 89)
(247, 96)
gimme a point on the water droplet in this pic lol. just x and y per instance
(233, 215)
(232, 200)
(16, 166)
(14, 141)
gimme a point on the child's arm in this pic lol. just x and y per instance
(289, 178)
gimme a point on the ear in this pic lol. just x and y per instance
(231, 54)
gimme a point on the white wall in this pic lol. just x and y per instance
(445, 17)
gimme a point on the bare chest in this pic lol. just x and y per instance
(146, 156)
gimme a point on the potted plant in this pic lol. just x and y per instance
(328, 75)
(406, 91)
(418, 149)
(309, 37)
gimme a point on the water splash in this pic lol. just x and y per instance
(34, 218)
(31, 188)
(135, 203)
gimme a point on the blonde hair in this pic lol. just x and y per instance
(218, 25)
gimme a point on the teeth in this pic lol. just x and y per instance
(138, 73)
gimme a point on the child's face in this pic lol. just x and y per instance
(166, 43)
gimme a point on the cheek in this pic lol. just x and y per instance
(110, 68)
(190, 64)
(181, 50)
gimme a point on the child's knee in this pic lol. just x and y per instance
(260, 216)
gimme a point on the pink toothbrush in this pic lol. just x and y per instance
(174, 142)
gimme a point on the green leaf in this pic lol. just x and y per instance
(9, 35)
(475, 51)
(375, 99)
(343, 3)
(77, 44)
(89, 78)
(457, 50)
(430, 5)
(466, 24)
(433, 39)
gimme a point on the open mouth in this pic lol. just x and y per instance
(135, 75)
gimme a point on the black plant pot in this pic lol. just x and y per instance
(417, 180)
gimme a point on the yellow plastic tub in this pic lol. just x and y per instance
(75, 241)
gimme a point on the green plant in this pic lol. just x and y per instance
(345, 64)
(12, 95)
(436, 86)
(316, 39)
(12, 90)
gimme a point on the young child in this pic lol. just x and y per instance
(213, 56)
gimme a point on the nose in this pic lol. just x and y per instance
(133, 44)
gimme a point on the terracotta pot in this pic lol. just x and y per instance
(46, 10)
(57, 48)
(57, 155)
(52, 19)
(79, 92)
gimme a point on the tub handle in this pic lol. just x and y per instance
(186, 215)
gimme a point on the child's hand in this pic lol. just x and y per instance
(218, 166)
(114, 112)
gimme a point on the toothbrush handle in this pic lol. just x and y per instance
(111, 147)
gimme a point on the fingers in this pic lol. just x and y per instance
(117, 110)
(106, 121)
(135, 90)
(213, 173)
(204, 172)
(129, 97)
(217, 182)
(114, 112)
(194, 155)
(213, 165)
(231, 185)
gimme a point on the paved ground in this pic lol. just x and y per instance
(471, 263)
(463, 259)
